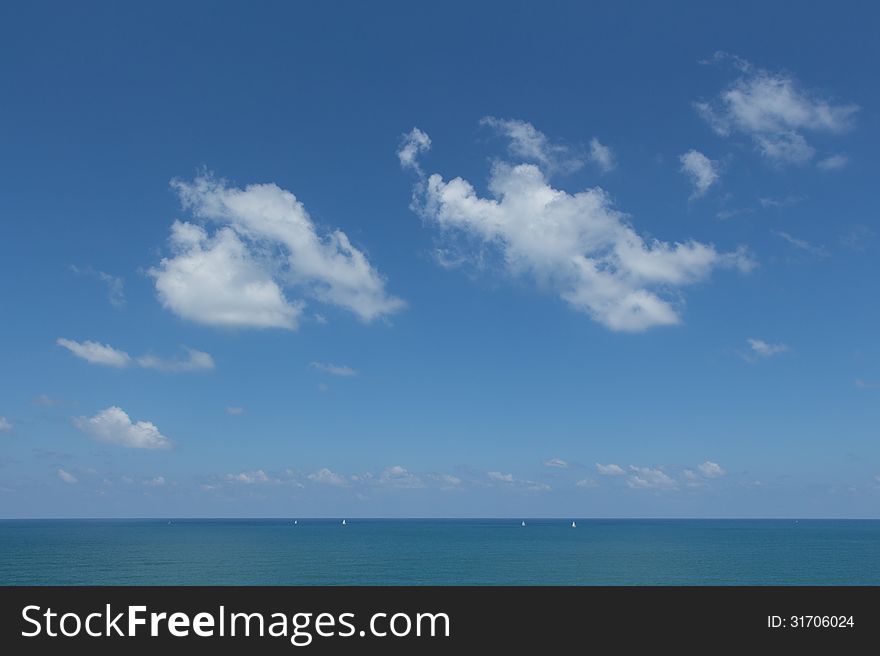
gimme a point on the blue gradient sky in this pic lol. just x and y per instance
(439, 367)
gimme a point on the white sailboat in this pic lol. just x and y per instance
(573, 525)
(343, 522)
(523, 523)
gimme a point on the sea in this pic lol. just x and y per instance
(306, 551)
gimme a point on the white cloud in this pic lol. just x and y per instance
(802, 244)
(249, 477)
(411, 144)
(648, 478)
(702, 171)
(235, 410)
(601, 155)
(328, 477)
(159, 481)
(446, 481)
(334, 369)
(267, 242)
(556, 462)
(711, 469)
(774, 111)
(528, 143)
(833, 163)
(5, 425)
(610, 469)
(399, 477)
(766, 349)
(67, 477)
(96, 353)
(509, 479)
(106, 355)
(578, 245)
(218, 281)
(195, 361)
(114, 426)
(587, 483)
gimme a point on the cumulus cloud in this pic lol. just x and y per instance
(5, 425)
(114, 426)
(556, 462)
(446, 481)
(104, 354)
(775, 112)
(397, 476)
(266, 244)
(528, 143)
(766, 349)
(195, 361)
(649, 478)
(711, 469)
(334, 369)
(610, 469)
(327, 477)
(702, 171)
(249, 477)
(158, 481)
(578, 245)
(833, 163)
(96, 353)
(67, 477)
(601, 155)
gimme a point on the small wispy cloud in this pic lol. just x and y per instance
(587, 483)
(5, 425)
(67, 477)
(334, 369)
(601, 155)
(766, 349)
(195, 361)
(861, 384)
(107, 356)
(702, 171)
(96, 353)
(802, 244)
(115, 285)
(235, 410)
(511, 480)
(556, 462)
(833, 163)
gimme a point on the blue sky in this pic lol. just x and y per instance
(515, 259)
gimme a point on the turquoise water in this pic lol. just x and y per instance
(439, 552)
